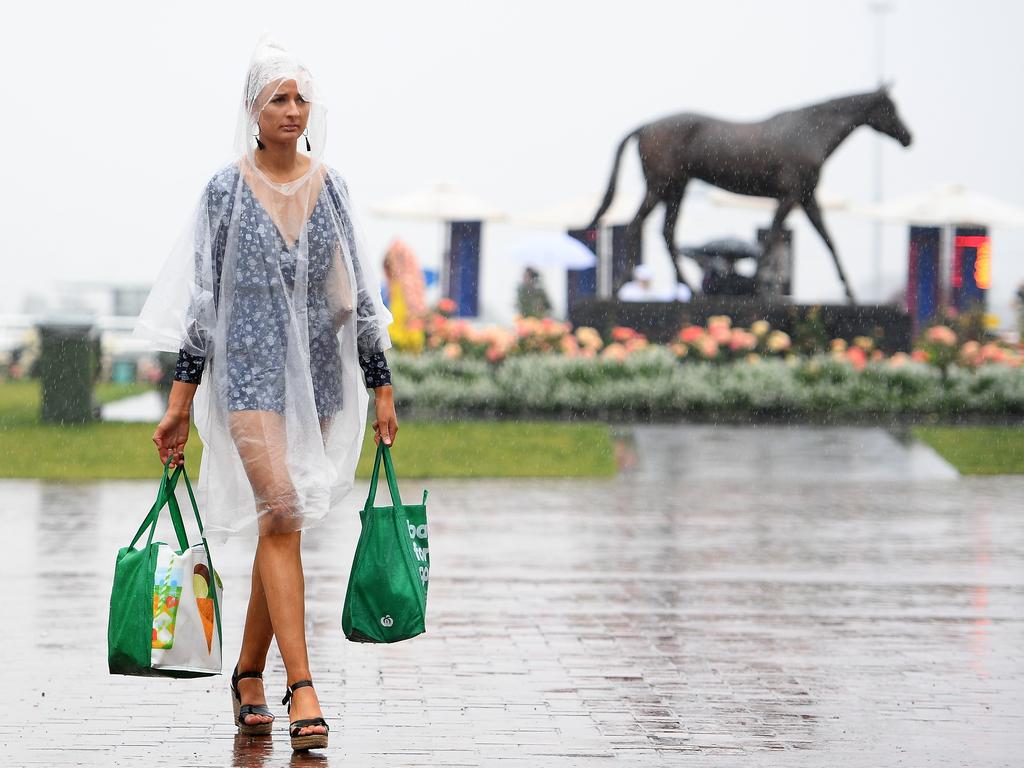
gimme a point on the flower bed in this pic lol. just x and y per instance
(653, 383)
(545, 368)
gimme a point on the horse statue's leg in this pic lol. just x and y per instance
(673, 204)
(774, 235)
(633, 236)
(810, 206)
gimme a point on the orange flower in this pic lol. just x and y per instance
(680, 350)
(691, 334)
(621, 333)
(589, 338)
(857, 357)
(615, 352)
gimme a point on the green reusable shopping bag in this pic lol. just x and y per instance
(386, 600)
(165, 604)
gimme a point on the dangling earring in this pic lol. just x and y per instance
(306, 134)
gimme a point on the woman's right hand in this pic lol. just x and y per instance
(171, 435)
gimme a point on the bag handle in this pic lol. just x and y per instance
(389, 472)
(172, 502)
(164, 495)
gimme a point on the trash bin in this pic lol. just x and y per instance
(67, 367)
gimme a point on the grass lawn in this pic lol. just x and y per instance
(978, 450)
(29, 449)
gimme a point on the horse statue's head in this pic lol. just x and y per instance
(883, 117)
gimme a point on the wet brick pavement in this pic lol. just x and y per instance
(754, 597)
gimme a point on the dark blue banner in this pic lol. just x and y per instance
(464, 267)
(923, 275)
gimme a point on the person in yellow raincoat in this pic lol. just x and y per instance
(406, 287)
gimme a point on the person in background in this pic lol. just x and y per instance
(531, 298)
(641, 288)
(406, 289)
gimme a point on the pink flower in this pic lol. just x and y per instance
(614, 351)
(898, 360)
(941, 334)
(495, 353)
(569, 346)
(452, 351)
(720, 332)
(742, 341)
(992, 353)
(447, 306)
(708, 347)
(969, 352)
(919, 356)
(459, 329)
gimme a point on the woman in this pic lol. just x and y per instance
(270, 305)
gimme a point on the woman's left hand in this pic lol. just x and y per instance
(386, 426)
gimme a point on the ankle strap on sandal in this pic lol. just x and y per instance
(236, 676)
(293, 687)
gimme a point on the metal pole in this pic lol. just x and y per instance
(879, 8)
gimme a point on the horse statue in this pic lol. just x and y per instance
(780, 157)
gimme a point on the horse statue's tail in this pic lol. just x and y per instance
(610, 194)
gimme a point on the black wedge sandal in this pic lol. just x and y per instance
(241, 710)
(310, 740)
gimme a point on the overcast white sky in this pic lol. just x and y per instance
(116, 114)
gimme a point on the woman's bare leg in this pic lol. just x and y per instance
(256, 639)
(261, 442)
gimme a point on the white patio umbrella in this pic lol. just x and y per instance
(440, 202)
(576, 212)
(552, 249)
(947, 204)
(827, 201)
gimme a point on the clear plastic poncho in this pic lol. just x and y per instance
(271, 289)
